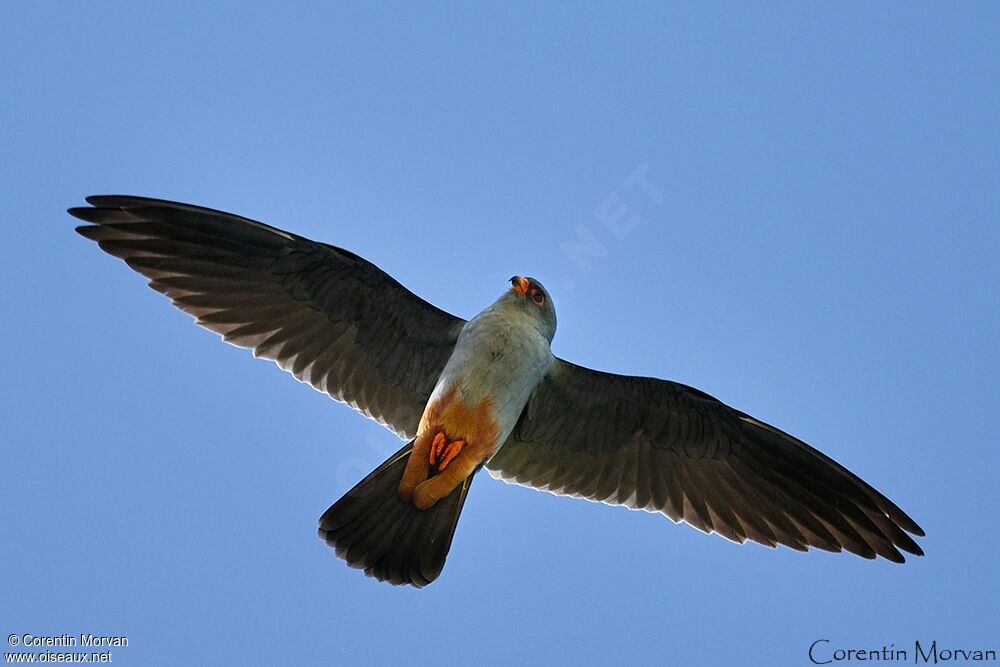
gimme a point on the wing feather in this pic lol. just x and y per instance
(327, 316)
(665, 447)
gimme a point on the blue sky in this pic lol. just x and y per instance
(823, 256)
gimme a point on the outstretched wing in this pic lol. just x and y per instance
(664, 447)
(325, 315)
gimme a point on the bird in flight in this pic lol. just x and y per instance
(486, 392)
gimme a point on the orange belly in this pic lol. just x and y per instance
(425, 482)
(458, 421)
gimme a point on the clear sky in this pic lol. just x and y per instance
(823, 255)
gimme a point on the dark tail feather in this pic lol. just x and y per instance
(371, 528)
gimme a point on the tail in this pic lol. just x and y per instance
(371, 528)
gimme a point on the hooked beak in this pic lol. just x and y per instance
(519, 285)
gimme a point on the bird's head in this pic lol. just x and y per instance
(528, 297)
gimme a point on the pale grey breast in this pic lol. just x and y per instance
(499, 354)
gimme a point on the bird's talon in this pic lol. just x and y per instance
(444, 451)
(453, 450)
(437, 446)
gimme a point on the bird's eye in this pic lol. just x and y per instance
(537, 297)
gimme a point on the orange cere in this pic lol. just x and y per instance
(520, 285)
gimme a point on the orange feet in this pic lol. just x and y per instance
(437, 447)
(442, 452)
(436, 466)
(453, 450)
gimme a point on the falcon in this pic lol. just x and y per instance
(486, 392)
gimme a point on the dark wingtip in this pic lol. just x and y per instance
(113, 201)
(84, 213)
(900, 517)
(895, 557)
(86, 231)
